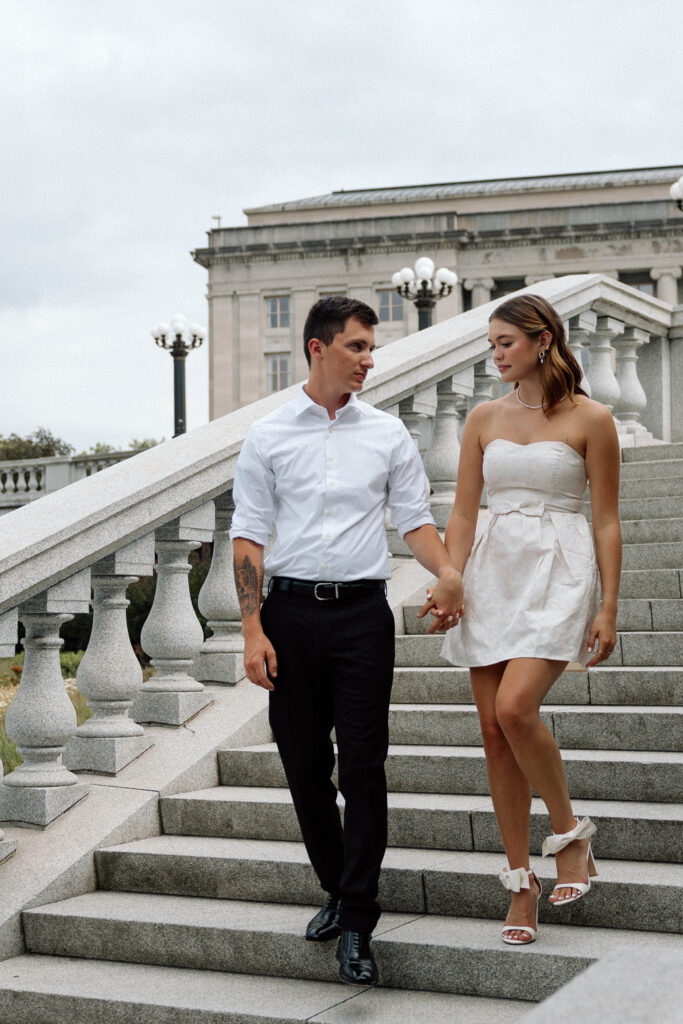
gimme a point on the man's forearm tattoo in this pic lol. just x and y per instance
(249, 580)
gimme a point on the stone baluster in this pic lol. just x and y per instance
(580, 330)
(172, 635)
(109, 674)
(441, 461)
(481, 288)
(604, 386)
(41, 718)
(221, 659)
(632, 398)
(485, 379)
(7, 846)
(666, 283)
(416, 411)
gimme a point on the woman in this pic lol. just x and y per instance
(531, 599)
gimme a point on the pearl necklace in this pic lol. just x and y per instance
(526, 406)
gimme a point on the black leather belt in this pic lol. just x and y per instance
(325, 591)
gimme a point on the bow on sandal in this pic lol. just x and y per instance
(515, 880)
(583, 829)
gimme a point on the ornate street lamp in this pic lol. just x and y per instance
(185, 338)
(423, 287)
(676, 192)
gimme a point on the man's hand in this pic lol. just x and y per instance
(444, 601)
(259, 655)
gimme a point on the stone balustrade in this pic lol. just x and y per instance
(85, 543)
(25, 480)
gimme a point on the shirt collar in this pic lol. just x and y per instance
(302, 403)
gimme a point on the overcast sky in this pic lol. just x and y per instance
(126, 124)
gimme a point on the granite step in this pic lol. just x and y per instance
(661, 686)
(651, 583)
(626, 831)
(631, 509)
(442, 953)
(573, 726)
(38, 989)
(633, 614)
(638, 531)
(650, 452)
(634, 648)
(650, 776)
(654, 555)
(423, 881)
(652, 487)
(652, 469)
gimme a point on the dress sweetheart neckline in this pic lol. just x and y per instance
(529, 444)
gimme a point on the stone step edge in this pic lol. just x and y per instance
(221, 998)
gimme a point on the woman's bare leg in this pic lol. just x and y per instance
(510, 792)
(523, 687)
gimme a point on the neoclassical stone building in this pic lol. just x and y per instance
(498, 235)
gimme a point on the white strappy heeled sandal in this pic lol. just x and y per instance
(583, 829)
(515, 880)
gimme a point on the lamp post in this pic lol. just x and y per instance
(676, 192)
(423, 287)
(185, 338)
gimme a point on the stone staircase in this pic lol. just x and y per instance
(227, 887)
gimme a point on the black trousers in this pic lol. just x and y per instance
(335, 669)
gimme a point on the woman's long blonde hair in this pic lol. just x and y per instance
(560, 372)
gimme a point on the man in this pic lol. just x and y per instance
(321, 471)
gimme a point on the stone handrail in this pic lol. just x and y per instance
(104, 530)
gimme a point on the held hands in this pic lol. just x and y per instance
(603, 637)
(444, 602)
(259, 656)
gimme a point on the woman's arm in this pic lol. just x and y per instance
(602, 467)
(462, 522)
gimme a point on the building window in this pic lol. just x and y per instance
(390, 306)
(277, 309)
(278, 371)
(639, 279)
(506, 286)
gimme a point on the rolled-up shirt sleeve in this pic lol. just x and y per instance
(408, 487)
(254, 494)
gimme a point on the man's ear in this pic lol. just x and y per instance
(315, 347)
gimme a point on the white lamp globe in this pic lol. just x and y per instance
(407, 275)
(676, 190)
(163, 329)
(396, 279)
(156, 333)
(443, 276)
(424, 268)
(453, 278)
(178, 323)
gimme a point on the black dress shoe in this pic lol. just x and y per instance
(356, 963)
(325, 924)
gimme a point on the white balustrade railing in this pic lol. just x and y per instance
(103, 531)
(24, 480)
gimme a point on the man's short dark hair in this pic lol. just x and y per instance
(328, 317)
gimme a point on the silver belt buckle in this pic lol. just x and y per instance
(317, 595)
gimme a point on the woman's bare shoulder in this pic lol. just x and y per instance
(594, 413)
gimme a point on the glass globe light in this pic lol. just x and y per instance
(443, 276)
(178, 323)
(452, 278)
(676, 190)
(163, 329)
(396, 279)
(156, 333)
(424, 268)
(407, 275)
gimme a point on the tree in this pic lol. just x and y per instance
(40, 444)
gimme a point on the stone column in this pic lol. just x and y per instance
(110, 675)
(666, 279)
(41, 718)
(632, 399)
(221, 658)
(172, 634)
(485, 379)
(673, 381)
(441, 461)
(604, 386)
(481, 288)
(580, 330)
(416, 412)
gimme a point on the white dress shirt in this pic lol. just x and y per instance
(323, 485)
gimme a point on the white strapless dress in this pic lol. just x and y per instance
(531, 581)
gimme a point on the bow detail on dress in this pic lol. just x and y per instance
(502, 507)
